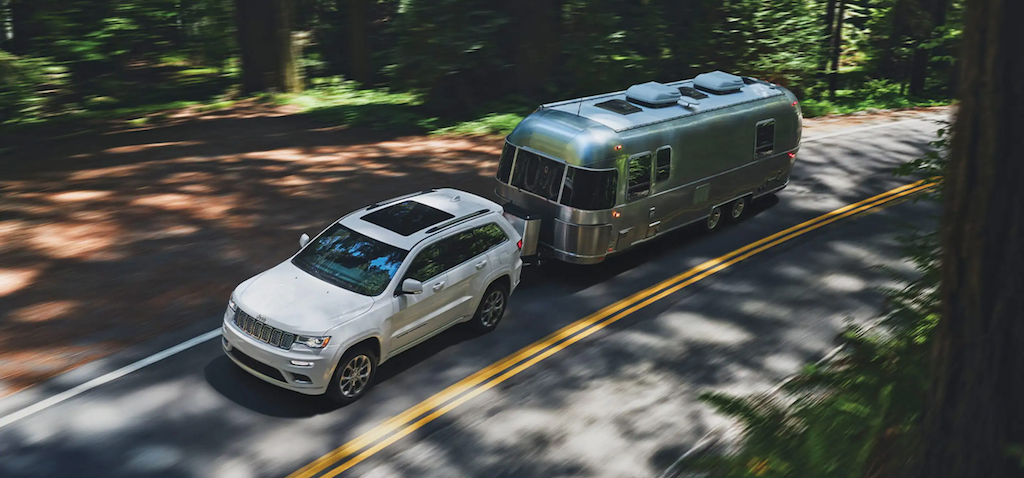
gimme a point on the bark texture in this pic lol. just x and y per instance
(265, 39)
(975, 414)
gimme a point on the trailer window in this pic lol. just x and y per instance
(664, 166)
(505, 163)
(639, 176)
(588, 189)
(764, 145)
(538, 175)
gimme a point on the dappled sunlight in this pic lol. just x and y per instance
(81, 240)
(12, 280)
(138, 148)
(79, 196)
(44, 311)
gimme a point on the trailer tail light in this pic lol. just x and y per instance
(520, 244)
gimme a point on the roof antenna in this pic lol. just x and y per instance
(579, 107)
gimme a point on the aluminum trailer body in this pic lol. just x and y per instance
(587, 178)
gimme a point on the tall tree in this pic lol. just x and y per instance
(830, 18)
(974, 422)
(934, 15)
(25, 26)
(359, 40)
(837, 47)
(265, 39)
(538, 30)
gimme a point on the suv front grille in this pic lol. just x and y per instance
(263, 332)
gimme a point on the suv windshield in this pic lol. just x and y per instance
(350, 260)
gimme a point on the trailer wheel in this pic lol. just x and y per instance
(737, 209)
(714, 218)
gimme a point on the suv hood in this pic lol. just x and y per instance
(297, 302)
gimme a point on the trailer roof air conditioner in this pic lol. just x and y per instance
(718, 82)
(652, 94)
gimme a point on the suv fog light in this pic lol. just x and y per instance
(301, 363)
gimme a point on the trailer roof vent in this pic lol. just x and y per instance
(718, 82)
(692, 93)
(652, 94)
(619, 106)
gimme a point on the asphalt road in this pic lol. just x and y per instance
(620, 402)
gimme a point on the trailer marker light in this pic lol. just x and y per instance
(794, 103)
(618, 147)
(615, 214)
(792, 155)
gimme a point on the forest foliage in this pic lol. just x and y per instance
(468, 58)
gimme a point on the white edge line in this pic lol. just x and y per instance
(106, 378)
(116, 374)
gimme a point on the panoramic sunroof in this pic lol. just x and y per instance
(407, 217)
(619, 106)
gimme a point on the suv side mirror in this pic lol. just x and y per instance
(303, 240)
(412, 286)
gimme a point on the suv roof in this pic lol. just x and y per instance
(407, 220)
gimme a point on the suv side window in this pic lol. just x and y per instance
(478, 240)
(428, 263)
(454, 250)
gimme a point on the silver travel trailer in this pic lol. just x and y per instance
(587, 178)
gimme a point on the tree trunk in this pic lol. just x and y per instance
(358, 27)
(24, 26)
(837, 47)
(539, 31)
(830, 18)
(935, 12)
(975, 411)
(265, 39)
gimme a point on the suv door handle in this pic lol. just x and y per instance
(481, 264)
(438, 286)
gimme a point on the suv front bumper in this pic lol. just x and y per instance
(273, 365)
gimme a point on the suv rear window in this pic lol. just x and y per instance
(590, 190)
(538, 175)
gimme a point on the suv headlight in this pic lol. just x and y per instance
(232, 310)
(313, 342)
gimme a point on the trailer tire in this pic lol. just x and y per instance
(714, 219)
(737, 208)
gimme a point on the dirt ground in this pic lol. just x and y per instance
(114, 236)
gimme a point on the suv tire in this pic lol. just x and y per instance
(353, 376)
(491, 309)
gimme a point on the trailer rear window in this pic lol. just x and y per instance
(589, 189)
(538, 175)
(505, 163)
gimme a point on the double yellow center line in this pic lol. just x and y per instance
(392, 430)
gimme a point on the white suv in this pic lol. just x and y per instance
(372, 285)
